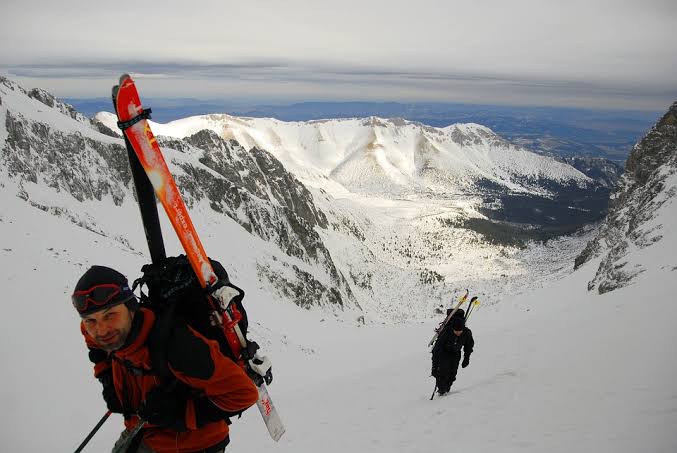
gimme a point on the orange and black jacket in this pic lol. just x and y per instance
(218, 385)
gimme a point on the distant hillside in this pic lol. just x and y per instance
(562, 131)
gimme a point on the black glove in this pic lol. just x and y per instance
(249, 353)
(257, 378)
(466, 361)
(163, 408)
(250, 350)
(269, 376)
(109, 395)
(97, 355)
(207, 412)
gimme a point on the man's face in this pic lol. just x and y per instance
(458, 332)
(109, 327)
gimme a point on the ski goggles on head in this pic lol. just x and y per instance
(99, 296)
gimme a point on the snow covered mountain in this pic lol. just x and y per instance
(460, 177)
(434, 210)
(63, 164)
(388, 157)
(643, 210)
(555, 366)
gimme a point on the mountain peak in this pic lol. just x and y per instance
(32, 103)
(670, 117)
(641, 206)
(378, 155)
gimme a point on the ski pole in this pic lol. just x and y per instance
(433, 395)
(91, 434)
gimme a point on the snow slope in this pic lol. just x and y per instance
(557, 369)
(547, 375)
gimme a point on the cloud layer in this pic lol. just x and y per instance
(605, 53)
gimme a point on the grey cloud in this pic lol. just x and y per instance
(292, 80)
(609, 52)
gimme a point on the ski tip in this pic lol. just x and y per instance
(114, 96)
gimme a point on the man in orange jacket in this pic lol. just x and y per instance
(187, 416)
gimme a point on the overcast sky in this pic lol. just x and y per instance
(596, 53)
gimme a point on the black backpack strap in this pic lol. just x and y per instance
(158, 341)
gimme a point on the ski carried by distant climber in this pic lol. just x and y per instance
(474, 302)
(144, 150)
(449, 315)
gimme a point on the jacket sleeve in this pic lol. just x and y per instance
(469, 343)
(199, 363)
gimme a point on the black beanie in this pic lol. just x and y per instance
(457, 323)
(459, 312)
(101, 275)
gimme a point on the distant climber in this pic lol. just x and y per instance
(446, 353)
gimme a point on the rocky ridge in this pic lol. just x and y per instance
(646, 186)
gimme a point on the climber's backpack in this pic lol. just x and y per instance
(175, 296)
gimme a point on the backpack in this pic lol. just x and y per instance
(175, 296)
(444, 330)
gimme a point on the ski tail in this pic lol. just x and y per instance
(474, 303)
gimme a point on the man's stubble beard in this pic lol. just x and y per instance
(122, 335)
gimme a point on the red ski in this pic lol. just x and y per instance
(133, 119)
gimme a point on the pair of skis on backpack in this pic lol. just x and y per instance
(474, 302)
(152, 178)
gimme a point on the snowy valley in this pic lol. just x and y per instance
(349, 236)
